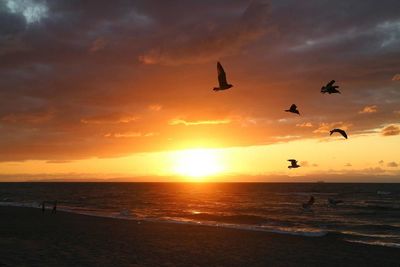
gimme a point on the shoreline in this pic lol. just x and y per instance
(28, 237)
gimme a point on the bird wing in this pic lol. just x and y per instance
(293, 161)
(342, 132)
(221, 75)
(330, 83)
(293, 107)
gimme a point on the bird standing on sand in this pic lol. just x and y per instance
(293, 164)
(293, 109)
(223, 84)
(342, 132)
(330, 88)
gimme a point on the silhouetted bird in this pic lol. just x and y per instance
(294, 164)
(333, 202)
(330, 88)
(293, 109)
(223, 84)
(342, 132)
(309, 203)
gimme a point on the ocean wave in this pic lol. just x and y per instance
(128, 215)
(373, 233)
(375, 243)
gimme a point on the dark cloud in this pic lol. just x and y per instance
(369, 109)
(71, 85)
(391, 130)
(197, 43)
(392, 164)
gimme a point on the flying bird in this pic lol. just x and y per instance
(293, 163)
(342, 132)
(293, 109)
(330, 88)
(223, 84)
(309, 203)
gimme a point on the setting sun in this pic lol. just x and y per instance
(197, 163)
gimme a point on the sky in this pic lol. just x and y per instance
(101, 89)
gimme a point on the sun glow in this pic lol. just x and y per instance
(197, 163)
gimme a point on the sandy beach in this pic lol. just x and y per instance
(29, 238)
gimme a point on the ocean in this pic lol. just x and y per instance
(370, 213)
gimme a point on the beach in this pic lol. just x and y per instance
(30, 238)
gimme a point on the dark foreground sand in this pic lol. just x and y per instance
(28, 238)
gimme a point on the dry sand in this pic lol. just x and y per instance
(28, 238)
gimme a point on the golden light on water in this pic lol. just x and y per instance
(197, 163)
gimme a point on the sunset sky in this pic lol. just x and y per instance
(107, 89)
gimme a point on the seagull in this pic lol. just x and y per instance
(293, 109)
(223, 84)
(294, 164)
(309, 203)
(342, 132)
(333, 202)
(330, 88)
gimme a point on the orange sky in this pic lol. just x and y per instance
(115, 92)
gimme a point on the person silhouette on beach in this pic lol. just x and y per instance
(43, 206)
(54, 207)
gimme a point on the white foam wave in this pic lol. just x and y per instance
(127, 215)
(376, 243)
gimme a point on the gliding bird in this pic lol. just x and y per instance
(223, 84)
(330, 88)
(342, 132)
(293, 163)
(293, 109)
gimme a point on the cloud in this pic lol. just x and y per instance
(381, 162)
(392, 164)
(28, 118)
(205, 122)
(155, 107)
(369, 109)
(348, 164)
(48, 63)
(97, 45)
(114, 118)
(326, 127)
(304, 125)
(210, 41)
(396, 77)
(58, 161)
(287, 137)
(33, 11)
(129, 135)
(391, 130)
(304, 163)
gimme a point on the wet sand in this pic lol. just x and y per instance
(29, 238)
